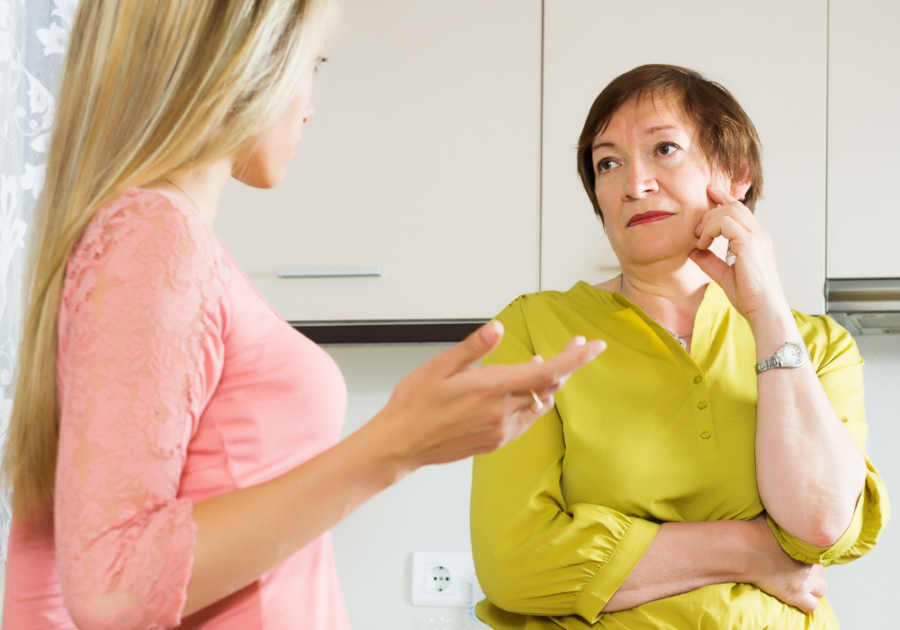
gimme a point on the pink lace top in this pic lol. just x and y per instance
(177, 383)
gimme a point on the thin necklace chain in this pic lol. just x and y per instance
(185, 194)
(679, 338)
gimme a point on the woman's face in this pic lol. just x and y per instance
(651, 179)
(264, 159)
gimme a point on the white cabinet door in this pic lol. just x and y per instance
(770, 54)
(863, 139)
(423, 160)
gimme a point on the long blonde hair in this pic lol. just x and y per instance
(150, 89)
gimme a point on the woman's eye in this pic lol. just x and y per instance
(667, 149)
(604, 166)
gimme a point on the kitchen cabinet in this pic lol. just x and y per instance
(771, 54)
(863, 138)
(421, 164)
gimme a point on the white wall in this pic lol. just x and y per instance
(864, 592)
(429, 511)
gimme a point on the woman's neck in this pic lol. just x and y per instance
(669, 291)
(670, 299)
(668, 294)
(201, 188)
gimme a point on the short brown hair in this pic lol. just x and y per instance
(727, 136)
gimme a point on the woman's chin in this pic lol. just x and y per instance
(269, 178)
(653, 253)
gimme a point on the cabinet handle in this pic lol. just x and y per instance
(336, 272)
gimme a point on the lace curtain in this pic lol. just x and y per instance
(33, 36)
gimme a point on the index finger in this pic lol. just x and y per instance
(473, 348)
(719, 196)
(552, 373)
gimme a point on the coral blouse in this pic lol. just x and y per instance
(648, 433)
(177, 383)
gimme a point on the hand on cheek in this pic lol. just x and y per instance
(752, 283)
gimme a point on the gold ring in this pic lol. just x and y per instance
(537, 405)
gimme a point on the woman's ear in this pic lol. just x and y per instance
(741, 184)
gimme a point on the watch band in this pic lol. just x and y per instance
(766, 364)
(778, 360)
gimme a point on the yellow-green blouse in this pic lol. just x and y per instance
(645, 434)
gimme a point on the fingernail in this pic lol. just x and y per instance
(596, 347)
(579, 340)
(538, 358)
(491, 331)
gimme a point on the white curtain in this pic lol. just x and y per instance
(33, 36)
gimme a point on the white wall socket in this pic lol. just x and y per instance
(439, 578)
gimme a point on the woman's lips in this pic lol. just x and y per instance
(648, 217)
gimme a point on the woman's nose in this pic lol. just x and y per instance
(640, 181)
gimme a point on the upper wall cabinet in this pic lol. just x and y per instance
(422, 161)
(863, 140)
(770, 54)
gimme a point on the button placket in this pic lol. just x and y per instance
(703, 424)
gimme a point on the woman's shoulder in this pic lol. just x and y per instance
(826, 339)
(557, 303)
(142, 237)
(139, 214)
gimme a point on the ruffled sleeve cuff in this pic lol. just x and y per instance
(607, 580)
(871, 515)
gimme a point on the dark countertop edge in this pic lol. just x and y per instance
(388, 332)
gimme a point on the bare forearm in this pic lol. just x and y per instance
(684, 557)
(809, 470)
(442, 412)
(243, 534)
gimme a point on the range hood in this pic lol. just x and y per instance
(865, 307)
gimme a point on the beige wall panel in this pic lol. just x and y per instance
(863, 140)
(423, 159)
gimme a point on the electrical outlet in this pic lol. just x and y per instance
(439, 578)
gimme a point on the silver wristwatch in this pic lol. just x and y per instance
(789, 355)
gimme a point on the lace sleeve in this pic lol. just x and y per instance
(133, 378)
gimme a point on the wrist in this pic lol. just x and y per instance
(379, 453)
(774, 330)
(757, 541)
(389, 445)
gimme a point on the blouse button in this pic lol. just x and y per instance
(705, 435)
(826, 555)
(697, 379)
(701, 404)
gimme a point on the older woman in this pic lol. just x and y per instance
(705, 473)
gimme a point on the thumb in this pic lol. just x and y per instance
(710, 264)
(473, 348)
(719, 196)
(808, 603)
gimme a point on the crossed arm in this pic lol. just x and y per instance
(810, 474)
(623, 561)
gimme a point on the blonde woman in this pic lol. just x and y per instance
(174, 445)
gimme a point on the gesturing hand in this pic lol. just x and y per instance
(449, 409)
(781, 576)
(752, 282)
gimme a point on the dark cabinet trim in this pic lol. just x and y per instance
(388, 331)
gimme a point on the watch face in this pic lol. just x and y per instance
(793, 354)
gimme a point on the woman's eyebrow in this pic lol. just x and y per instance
(658, 128)
(648, 132)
